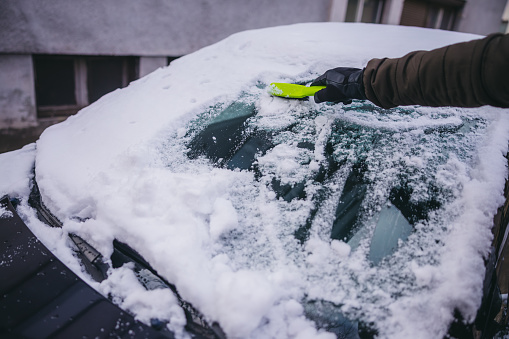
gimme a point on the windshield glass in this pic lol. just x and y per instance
(342, 197)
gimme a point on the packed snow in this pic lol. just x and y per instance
(119, 169)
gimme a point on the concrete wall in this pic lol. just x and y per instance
(144, 28)
(153, 30)
(481, 16)
(17, 97)
(150, 64)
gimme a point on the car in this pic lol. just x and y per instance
(202, 205)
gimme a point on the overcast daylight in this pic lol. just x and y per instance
(254, 169)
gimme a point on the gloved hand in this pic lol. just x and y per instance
(343, 85)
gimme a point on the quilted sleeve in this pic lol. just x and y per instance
(468, 74)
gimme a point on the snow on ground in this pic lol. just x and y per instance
(119, 169)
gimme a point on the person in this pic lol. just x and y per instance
(467, 74)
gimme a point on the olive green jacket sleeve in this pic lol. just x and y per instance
(469, 74)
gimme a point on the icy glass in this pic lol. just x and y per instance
(370, 179)
(390, 229)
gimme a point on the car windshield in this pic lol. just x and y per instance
(341, 198)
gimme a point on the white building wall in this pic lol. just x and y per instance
(481, 16)
(17, 97)
(150, 64)
(338, 10)
(152, 30)
(143, 28)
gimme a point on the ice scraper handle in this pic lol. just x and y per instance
(293, 91)
(342, 85)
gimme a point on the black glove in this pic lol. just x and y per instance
(343, 85)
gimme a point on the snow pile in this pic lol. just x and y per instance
(16, 171)
(119, 170)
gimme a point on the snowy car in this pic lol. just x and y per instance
(202, 205)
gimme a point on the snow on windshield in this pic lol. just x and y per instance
(261, 263)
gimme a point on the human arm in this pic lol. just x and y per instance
(469, 74)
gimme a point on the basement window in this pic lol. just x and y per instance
(369, 11)
(65, 84)
(436, 14)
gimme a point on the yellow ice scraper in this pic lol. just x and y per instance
(294, 91)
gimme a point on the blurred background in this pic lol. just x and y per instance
(58, 56)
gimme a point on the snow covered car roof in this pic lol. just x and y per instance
(280, 218)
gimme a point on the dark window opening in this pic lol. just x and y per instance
(448, 19)
(369, 11)
(65, 84)
(106, 74)
(351, 10)
(441, 15)
(54, 81)
(504, 27)
(170, 59)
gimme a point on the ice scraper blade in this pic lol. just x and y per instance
(294, 91)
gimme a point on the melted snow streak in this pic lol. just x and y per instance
(416, 159)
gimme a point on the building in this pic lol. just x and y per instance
(505, 19)
(58, 56)
(470, 16)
